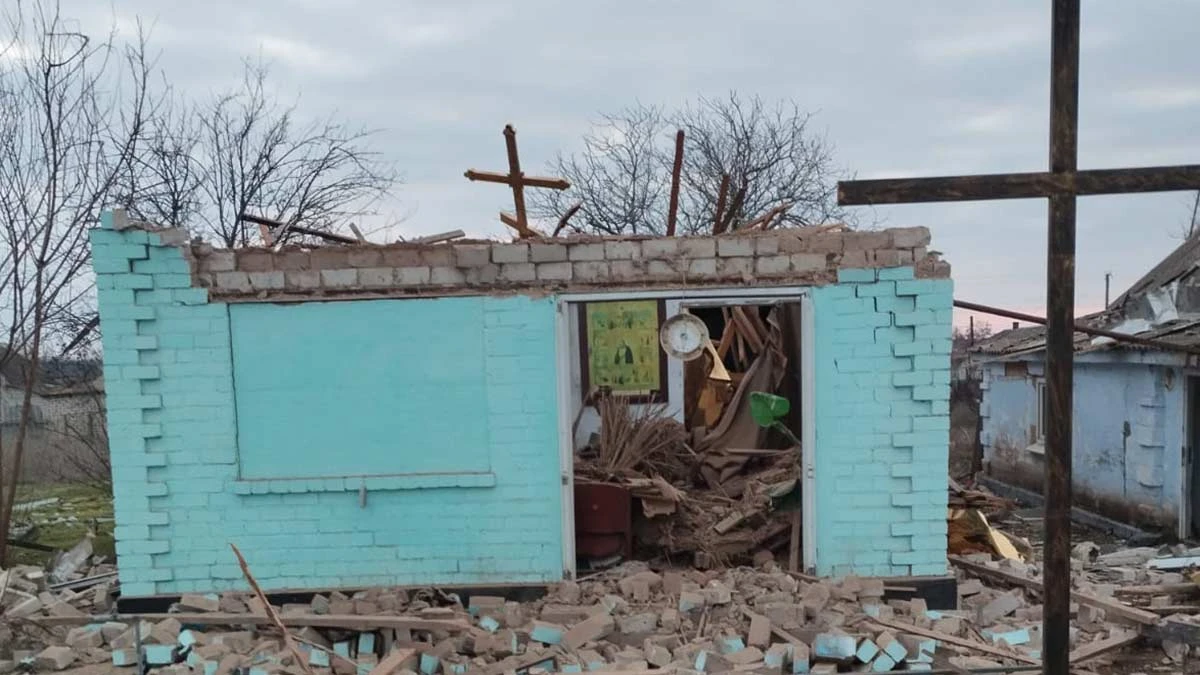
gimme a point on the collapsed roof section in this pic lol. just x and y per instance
(805, 256)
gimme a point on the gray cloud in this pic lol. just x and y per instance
(921, 87)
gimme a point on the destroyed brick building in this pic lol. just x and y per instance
(413, 414)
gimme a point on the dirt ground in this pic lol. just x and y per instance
(963, 418)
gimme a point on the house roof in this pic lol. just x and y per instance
(1169, 317)
(57, 377)
(1178, 263)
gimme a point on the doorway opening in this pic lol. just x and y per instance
(705, 469)
(1191, 468)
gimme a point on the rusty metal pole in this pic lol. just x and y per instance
(1060, 331)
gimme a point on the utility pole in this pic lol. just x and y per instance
(1107, 278)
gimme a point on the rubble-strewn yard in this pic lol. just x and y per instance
(60, 515)
(629, 619)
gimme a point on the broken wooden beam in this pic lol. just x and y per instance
(1100, 647)
(439, 237)
(566, 217)
(676, 169)
(528, 181)
(284, 228)
(353, 622)
(1111, 606)
(954, 640)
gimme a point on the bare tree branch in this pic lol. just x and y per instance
(623, 174)
(73, 111)
(245, 152)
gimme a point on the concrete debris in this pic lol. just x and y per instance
(760, 620)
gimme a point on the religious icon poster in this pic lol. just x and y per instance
(620, 348)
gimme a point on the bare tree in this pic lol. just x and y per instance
(622, 176)
(245, 152)
(72, 114)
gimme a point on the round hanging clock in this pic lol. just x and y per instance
(684, 336)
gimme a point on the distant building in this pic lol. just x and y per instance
(66, 411)
(1135, 408)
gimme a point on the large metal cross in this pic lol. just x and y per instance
(1061, 185)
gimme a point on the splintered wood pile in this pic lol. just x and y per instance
(718, 489)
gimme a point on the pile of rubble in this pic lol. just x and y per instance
(718, 487)
(629, 619)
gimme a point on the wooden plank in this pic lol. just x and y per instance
(1159, 589)
(794, 542)
(1018, 185)
(512, 221)
(722, 194)
(439, 237)
(954, 640)
(507, 179)
(566, 217)
(1098, 647)
(676, 169)
(396, 661)
(272, 616)
(345, 621)
(1109, 605)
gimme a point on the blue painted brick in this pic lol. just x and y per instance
(133, 281)
(911, 379)
(896, 273)
(914, 318)
(882, 288)
(916, 348)
(856, 276)
(896, 303)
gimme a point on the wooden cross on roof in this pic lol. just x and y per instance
(1061, 185)
(518, 181)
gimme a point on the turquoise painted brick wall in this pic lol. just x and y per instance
(882, 351)
(260, 424)
(484, 515)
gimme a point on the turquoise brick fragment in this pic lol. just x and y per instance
(429, 664)
(366, 643)
(834, 646)
(159, 655)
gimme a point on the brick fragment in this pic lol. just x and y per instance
(472, 255)
(518, 272)
(910, 237)
(402, 256)
(54, 658)
(510, 253)
(364, 256)
(735, 246)
(329, 257)
(554, 271)
(251, 260)
(447, 276)
(594, 628)
(339, 278)
(544, 253)
(622, 250)
(586, 252)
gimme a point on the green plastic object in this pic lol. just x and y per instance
(767, 409)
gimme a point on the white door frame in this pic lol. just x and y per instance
(1191, 389)
(565, 352)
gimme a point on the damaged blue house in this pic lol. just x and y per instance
(1136, 426)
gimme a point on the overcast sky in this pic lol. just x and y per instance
(919, 87)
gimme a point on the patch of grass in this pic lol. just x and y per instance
(62, 524)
